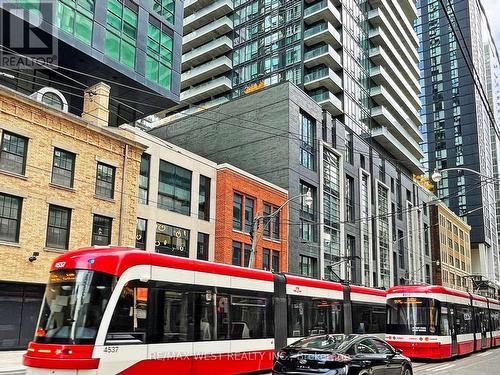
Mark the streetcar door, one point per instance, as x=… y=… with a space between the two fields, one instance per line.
x=453 y=331
x=125 y=344
x=484 y=328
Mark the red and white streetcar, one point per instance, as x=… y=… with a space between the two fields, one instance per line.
x=436 y=322
x=118 y=310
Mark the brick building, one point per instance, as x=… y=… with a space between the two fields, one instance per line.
x=240 y=197
x=65 y=182
x=451 y=248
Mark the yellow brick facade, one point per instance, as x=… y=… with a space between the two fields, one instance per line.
x=46 y=129
x=451 y=246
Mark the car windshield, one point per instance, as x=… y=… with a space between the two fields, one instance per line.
x=327 y=342
x=73 y=306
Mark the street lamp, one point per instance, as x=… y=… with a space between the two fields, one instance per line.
x=437 y=176
x=308 y=201
x=7 y=75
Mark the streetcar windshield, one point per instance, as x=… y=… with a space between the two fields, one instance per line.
x=412 y=316
x=73 y=306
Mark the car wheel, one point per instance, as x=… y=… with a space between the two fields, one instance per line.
x=366 y=371
x=407 y=371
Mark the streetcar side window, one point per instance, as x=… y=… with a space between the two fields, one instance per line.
x=163 y=312
x=175 y=316
x=129 y=322
x=368 y=318
x=495 y=320
x=463 y=319
x=248 y=318
x=313 y=316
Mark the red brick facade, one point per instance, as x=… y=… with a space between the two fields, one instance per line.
x=230 y=181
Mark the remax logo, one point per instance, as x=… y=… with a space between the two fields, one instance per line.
x=60 y=264
x=28 y=34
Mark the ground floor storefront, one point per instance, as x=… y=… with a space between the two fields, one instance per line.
x=19 y=308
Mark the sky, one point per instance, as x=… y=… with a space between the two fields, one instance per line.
x=492 y=8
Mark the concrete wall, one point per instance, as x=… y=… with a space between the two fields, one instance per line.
x=161 y=150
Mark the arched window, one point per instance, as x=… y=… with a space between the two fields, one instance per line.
x=53 y=100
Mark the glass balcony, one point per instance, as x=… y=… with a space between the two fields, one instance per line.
x=323 y=55
x=323 y=77
x=323 y=32
x=324 y=10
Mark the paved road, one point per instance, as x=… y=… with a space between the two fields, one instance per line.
x=487 y=362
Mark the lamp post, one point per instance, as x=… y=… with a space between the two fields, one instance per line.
x=308 y=200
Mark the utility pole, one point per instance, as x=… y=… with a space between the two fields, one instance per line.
x=253 y=236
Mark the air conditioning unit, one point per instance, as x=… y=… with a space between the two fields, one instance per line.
x=52 y=98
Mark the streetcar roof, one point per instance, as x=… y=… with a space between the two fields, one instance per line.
x=116 y=260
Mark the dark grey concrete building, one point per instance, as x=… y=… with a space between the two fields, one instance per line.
x=365 y=205
x=458 y=128
x=134 y=46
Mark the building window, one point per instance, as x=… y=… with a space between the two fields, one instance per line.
x=144 y=179
x=276 y=261
x=105 y=181
x=307 y=214
x=202 y=249
x=10 y=217
x=247 y=253
x=63 y=168
x=174 y=191
x=237 y=211
x=140 y=234
x=307 y=137
x=172 y=240
x=307 y=266
x=121 y=32
x=159 y=55
x=349 y=199
x=401 y=249
x=236 y=253
x=249 y=207
x=58 y=227
x=271 y=227
x=240 y=201
x=349 y=148
x=101 y=230
x=53 y=100
x=165 y=8
x=76 y=18
x=241 y=254
x=13 y=153
x=266 y=259
x=204 y=199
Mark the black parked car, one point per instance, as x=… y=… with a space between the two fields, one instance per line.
x=341 y=355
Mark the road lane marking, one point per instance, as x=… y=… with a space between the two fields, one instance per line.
x=441 y=368
x=484 y=354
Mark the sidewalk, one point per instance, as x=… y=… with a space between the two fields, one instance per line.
x=10 y=362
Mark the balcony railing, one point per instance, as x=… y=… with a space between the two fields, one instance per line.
x=315 y=30
x=316 y=52
x=315 y=7
x=317 y=74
